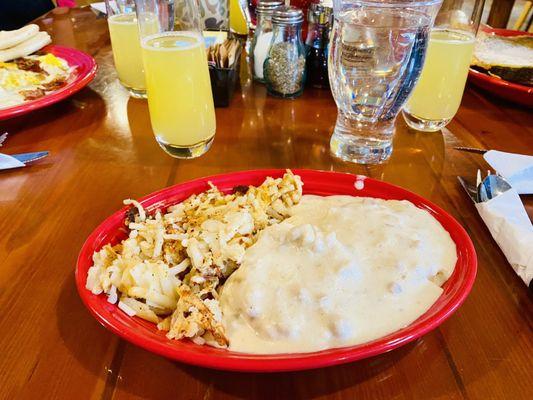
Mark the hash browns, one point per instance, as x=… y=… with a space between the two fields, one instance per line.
x=170 y=268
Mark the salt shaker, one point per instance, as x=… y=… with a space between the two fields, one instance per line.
x=262 y=35
x=320 y=18
x=284 y=68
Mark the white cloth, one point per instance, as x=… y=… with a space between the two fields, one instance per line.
x=509 y=225
x=8 y=162
x=517 y=169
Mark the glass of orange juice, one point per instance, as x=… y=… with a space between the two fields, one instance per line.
x=439 y=90
x=124 y=34
x=177 y=76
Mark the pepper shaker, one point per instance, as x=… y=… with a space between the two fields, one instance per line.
x=284 y=68
x=262 y=35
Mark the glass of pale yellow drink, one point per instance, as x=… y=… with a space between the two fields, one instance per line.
x=439 y=90
x=124 y=34
x=178 y=86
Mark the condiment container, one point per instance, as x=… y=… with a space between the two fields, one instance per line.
x=284 y=68
x=262 y=35
x=223 y=81
x=224 y=65
x=320 y=18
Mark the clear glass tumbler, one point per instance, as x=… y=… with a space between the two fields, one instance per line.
x=377 y=50
x=177 y=76
x=124 y=34
x=438 y=93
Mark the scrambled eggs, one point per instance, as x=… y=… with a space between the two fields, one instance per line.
x=31 y=77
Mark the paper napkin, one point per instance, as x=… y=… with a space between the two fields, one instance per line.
x=517 y=169
x=8 y=162
x=509 y=225
x=100 y=7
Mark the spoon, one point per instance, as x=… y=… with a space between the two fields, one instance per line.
x=492 y=186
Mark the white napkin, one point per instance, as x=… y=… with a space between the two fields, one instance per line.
x=100 y=7
x=517 y=169
x=8 y=162
x=509 y=225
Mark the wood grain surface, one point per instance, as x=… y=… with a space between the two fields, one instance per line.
x=103 y=150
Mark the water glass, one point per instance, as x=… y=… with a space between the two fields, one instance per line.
x=377 y=50
x=438 y=93
x=125 y=43
x=177 y=76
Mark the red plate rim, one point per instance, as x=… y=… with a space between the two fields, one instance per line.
x=487 y=80
x=500 y=82
x=85 y=72
x=145 y=334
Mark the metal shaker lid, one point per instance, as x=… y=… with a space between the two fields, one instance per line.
x=267 y=7
x=288 y=15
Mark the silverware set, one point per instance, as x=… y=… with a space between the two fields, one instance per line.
x=485 y=189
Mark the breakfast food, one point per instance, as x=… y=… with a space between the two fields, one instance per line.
x=267 y=270
x=23 y=76
x=31 y=77
x=10 y=39
x=25 y=48
x=22 y=42
x=341 y=271
x=509 y=58
x=169 y=269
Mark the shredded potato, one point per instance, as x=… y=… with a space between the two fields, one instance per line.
x=168 y=271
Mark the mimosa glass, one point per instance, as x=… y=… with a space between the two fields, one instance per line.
x=125 y=43
x=438 y=93
x=177 y=77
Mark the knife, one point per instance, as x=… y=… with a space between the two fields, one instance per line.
x=470 y=149
x=30 y=157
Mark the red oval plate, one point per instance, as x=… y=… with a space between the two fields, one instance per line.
x=514 y=92
x=84 y=72
x=146 y=335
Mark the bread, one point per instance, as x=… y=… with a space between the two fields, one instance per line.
x=12 y=38
x=23 y=49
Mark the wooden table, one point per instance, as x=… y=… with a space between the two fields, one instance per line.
x=103 y=151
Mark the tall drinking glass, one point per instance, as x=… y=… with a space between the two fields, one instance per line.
x=377 y=50
x=126 y=46
x=438 y=93
x=177 y=76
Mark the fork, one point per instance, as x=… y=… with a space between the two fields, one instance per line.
x=472 y=189
x=3 y=138
x=469 y=187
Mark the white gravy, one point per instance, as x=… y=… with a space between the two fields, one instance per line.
x=340 y=271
